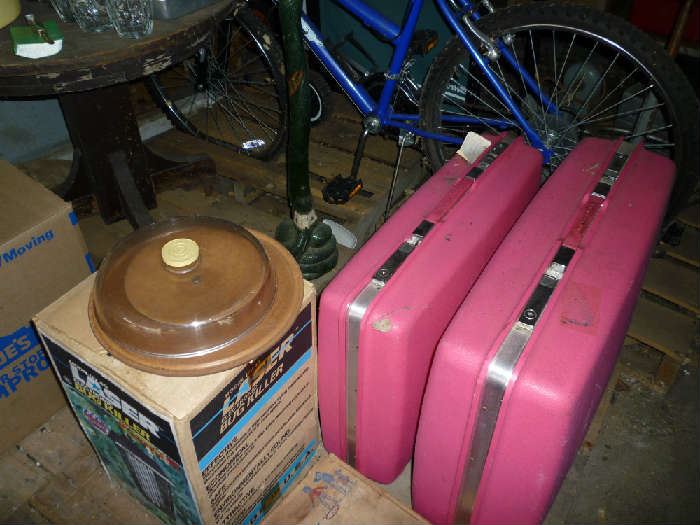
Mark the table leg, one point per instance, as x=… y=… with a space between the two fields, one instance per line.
x=103 y=128
x=101 y=122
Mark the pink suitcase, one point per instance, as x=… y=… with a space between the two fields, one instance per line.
x=383 y=314
x=521 y=368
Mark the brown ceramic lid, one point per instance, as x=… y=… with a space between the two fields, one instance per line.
x=192 y=296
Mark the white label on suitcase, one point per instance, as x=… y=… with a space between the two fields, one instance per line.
x=473 y=146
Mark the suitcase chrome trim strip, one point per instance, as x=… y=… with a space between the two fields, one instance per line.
x=498 y=376
x=500 y=369
x=613 y=170
x=358 y=307
x=356 y=312
x=386 y=271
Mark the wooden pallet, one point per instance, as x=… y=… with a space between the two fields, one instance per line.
x=666 y=316
x=690 y=216
x=331 y=148
x=676 y=283
x=687 y=250
x=606 y=400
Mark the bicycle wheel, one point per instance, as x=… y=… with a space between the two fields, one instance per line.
x=605 y=77
x=233 y=91
x=320 y=101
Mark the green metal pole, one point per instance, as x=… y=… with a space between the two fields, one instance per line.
x=310 y=241
x=298 y=102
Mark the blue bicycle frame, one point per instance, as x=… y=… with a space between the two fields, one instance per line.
x=400 y=38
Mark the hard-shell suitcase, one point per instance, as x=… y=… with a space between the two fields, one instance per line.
x=383 y=314
x=521 y=368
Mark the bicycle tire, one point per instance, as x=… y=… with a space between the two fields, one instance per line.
x=320 y=95
x=240 y=102
x=679 y=105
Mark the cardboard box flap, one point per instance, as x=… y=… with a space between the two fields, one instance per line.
x=25 y=202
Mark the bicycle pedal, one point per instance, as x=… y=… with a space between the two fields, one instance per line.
x=423 y=42
x=341 y=189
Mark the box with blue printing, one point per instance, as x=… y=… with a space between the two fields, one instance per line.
x=221 y=448
x=42 y=256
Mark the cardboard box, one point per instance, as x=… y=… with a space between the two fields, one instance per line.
x=220 y=448
x=42 y=255
x=333 y=492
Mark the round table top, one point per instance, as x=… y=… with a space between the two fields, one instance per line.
x=95 y=60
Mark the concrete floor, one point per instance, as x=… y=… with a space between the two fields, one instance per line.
x=644 y=466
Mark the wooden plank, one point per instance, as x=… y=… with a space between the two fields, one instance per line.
x=25 y=514
x=344 y=109
x=674 y=282
x=338 y=131
x=343 y=135
x=271 y=176
x=370 y=221
x=664 y=329
x=688 y=250
x=91 y=500
x=598 y=419
x=690 y=216
x=327 y=161
x=58 y=443
x=223 y=207
x=331 y=150
x=667 y=372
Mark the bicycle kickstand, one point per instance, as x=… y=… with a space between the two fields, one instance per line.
x=341 y=189
x=405 y=139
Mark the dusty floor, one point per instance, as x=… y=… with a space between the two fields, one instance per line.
x=644 y=466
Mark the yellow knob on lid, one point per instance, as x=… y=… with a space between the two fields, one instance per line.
x=179 y=253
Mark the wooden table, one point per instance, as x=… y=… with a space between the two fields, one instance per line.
x=89 y=77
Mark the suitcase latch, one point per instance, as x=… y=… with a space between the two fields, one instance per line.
x=613 y=170
x=396 y=259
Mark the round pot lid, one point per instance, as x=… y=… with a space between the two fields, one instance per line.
x=194 y=295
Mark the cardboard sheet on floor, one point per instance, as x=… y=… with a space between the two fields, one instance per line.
x=333 y=492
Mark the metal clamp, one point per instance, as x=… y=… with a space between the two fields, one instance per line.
x=613 y=170
x=492 y=51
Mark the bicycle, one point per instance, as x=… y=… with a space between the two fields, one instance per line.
x=554 y=73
